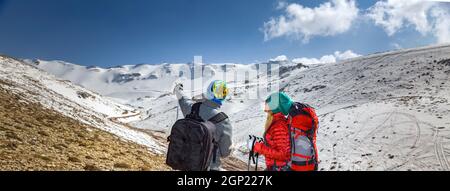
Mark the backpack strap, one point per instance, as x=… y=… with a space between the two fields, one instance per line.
x=215 y=120
x=195 y=112
x=218 y=118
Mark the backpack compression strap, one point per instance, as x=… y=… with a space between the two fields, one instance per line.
x=195 y=114
x=218 y=118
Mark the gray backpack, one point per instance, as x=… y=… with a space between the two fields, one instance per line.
x=192 y=142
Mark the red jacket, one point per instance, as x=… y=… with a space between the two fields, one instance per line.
x=277 y=145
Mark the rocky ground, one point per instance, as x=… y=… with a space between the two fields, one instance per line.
x=35 y=138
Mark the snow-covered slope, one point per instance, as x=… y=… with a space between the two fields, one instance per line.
x=381 y=112
x=385 y=111
x=145 y=87
x=133 y=83
x=38 y=86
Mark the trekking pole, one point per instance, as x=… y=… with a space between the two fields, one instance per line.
x=249 y=158
x=256 y=164
x=257 y=154
x=177 y=113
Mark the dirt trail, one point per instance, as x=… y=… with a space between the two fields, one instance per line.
x=35 y=138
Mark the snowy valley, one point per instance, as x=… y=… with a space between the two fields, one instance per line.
x=386 y=111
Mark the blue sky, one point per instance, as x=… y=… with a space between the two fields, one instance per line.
x=116 y=32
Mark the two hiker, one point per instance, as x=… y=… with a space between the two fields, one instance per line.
x=198 y=141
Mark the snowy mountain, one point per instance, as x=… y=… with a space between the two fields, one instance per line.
x=384 y=111
x=37 y=86
x=379 y=112
x=140 y=85
x=129 y=81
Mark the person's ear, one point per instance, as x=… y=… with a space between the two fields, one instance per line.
x=267 y=108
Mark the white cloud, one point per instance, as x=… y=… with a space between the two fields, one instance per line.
x=328 y=19
x=393 y=15
x=396 y=46
x=337 y=56
x=442 y=25
x=427 y=17
x=280 y=58
x=281 y=5
x=345 y=55
x=309 y=61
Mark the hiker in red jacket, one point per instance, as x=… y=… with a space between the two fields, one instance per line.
x=276 y=148
x=290 y=136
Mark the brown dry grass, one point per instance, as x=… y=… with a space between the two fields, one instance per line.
x=35 y=138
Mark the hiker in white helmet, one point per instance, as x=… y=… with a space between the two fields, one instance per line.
x=214 y=97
